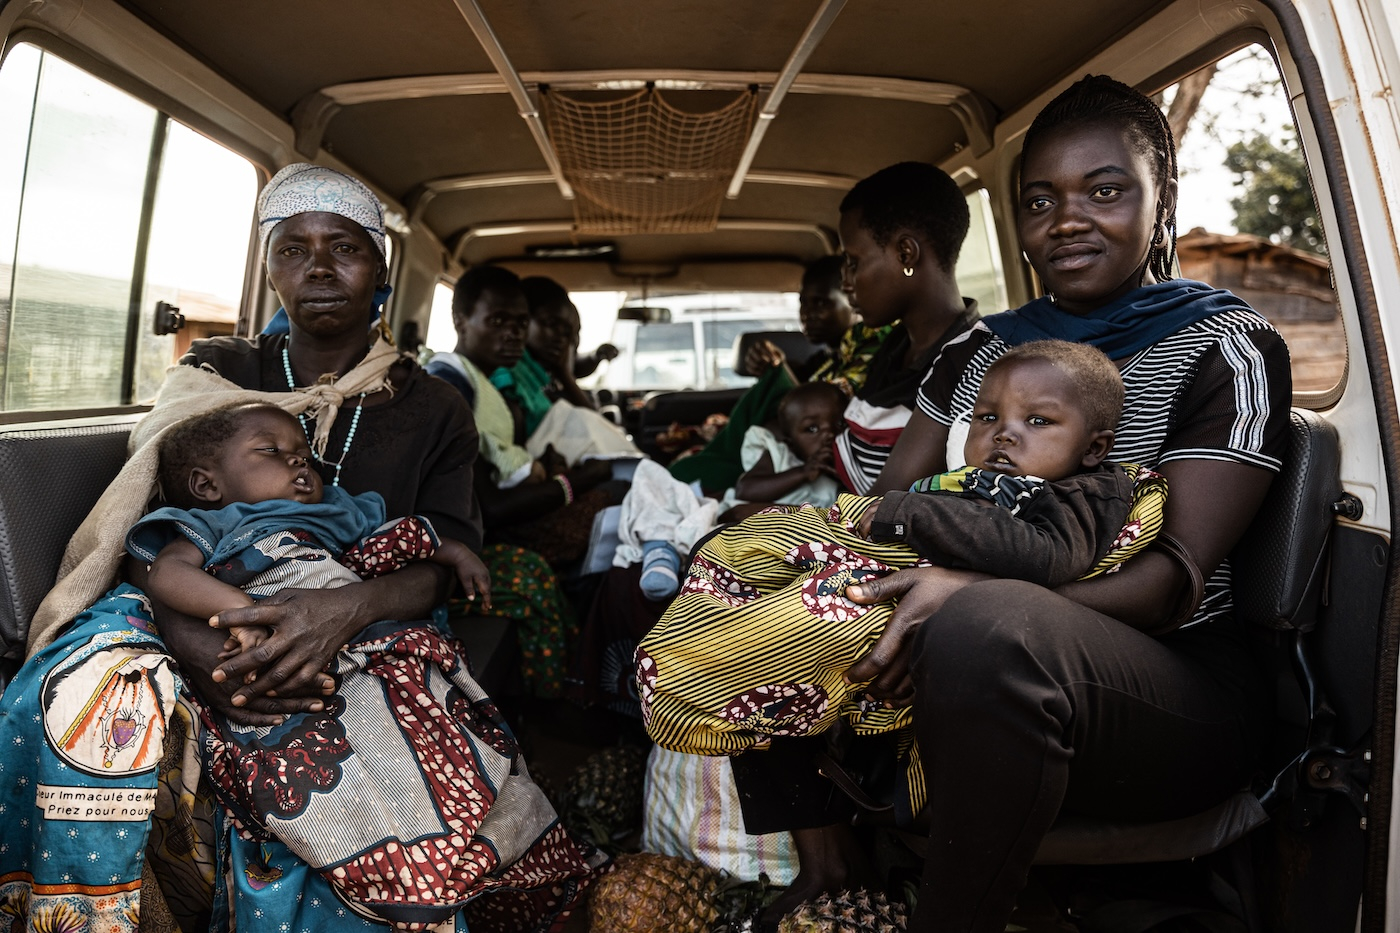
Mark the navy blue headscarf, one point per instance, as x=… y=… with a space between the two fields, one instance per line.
x=1121 y=328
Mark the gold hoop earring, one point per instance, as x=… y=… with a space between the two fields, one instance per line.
x=908 y=270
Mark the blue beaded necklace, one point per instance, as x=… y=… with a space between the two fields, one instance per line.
x=354 y=421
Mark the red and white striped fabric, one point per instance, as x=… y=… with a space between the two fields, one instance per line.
x=865 y=445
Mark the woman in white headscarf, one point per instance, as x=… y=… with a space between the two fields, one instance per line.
x=109 y=715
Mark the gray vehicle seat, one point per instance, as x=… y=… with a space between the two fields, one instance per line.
x=688 y=406
x=1279 y=568
x=52 y=477
x=794 y=344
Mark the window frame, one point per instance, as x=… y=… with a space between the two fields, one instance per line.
x=255 y=292
x=1319 y=183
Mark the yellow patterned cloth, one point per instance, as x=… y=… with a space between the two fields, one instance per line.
x=758 y=641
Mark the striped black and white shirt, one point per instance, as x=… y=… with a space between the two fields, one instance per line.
x=1218 y=389
x=877 y=415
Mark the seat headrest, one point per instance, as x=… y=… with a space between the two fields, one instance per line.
x=1280 y=562
x=794 y=344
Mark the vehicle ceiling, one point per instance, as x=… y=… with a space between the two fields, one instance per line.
x=467 y=166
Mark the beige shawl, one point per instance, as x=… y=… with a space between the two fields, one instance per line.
x=94 y=555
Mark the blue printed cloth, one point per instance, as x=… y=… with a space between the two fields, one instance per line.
x=338 y=521
x=101 y=743
x=83 y=726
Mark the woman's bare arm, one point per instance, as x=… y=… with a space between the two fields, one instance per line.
x=500 y=507
x=1210 y=503
x=195 y=647
x=763 y=484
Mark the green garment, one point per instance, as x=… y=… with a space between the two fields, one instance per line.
x=525 y=384
x=717 y=467
x=494 y=422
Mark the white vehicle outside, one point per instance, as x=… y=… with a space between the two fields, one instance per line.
x=694 y=345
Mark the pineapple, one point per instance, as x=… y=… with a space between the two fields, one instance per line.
x=649 y=893
x=847 y=912
x=603 y=798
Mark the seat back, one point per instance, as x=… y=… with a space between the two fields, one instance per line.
x=52 y=477
x=1280 y=563
x=794 y=344
x=686 y=407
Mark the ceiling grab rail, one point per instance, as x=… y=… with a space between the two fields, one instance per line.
x=816 y=31
x=524 y=102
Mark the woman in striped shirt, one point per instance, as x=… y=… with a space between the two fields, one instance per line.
x=1101 y=697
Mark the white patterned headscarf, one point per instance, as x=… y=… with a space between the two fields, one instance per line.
x=301 y=188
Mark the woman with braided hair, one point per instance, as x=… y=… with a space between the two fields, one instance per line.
x=1100 y=697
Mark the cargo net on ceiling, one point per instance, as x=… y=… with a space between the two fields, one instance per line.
x=639 y=165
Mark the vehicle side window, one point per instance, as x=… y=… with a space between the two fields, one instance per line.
x=107 y=207
x=1246 y=218
x=442 y=333
x=979 y=269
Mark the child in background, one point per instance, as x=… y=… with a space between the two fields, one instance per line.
x=790 y=467
x=795 y=465
x=758 y=641
x=249 y=518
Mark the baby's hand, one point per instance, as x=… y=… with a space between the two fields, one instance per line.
x=866 y=520
x=820 y=465
x=244 y=638
x=471 y=571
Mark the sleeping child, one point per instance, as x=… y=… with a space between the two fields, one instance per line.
x=250 y=517
x=757 y=641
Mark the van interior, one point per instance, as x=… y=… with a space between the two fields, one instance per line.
x=646 y=154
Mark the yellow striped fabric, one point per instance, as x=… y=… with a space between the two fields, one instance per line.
x=757 y=641
x=1144 y=519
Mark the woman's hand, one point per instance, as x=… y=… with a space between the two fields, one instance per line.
x=867 y=520
x=196 y=646
x=921 y=591
x=553 y=462
x=590 y=473
x=308 y=628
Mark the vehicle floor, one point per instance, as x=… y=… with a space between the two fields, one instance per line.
x=558 y=737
